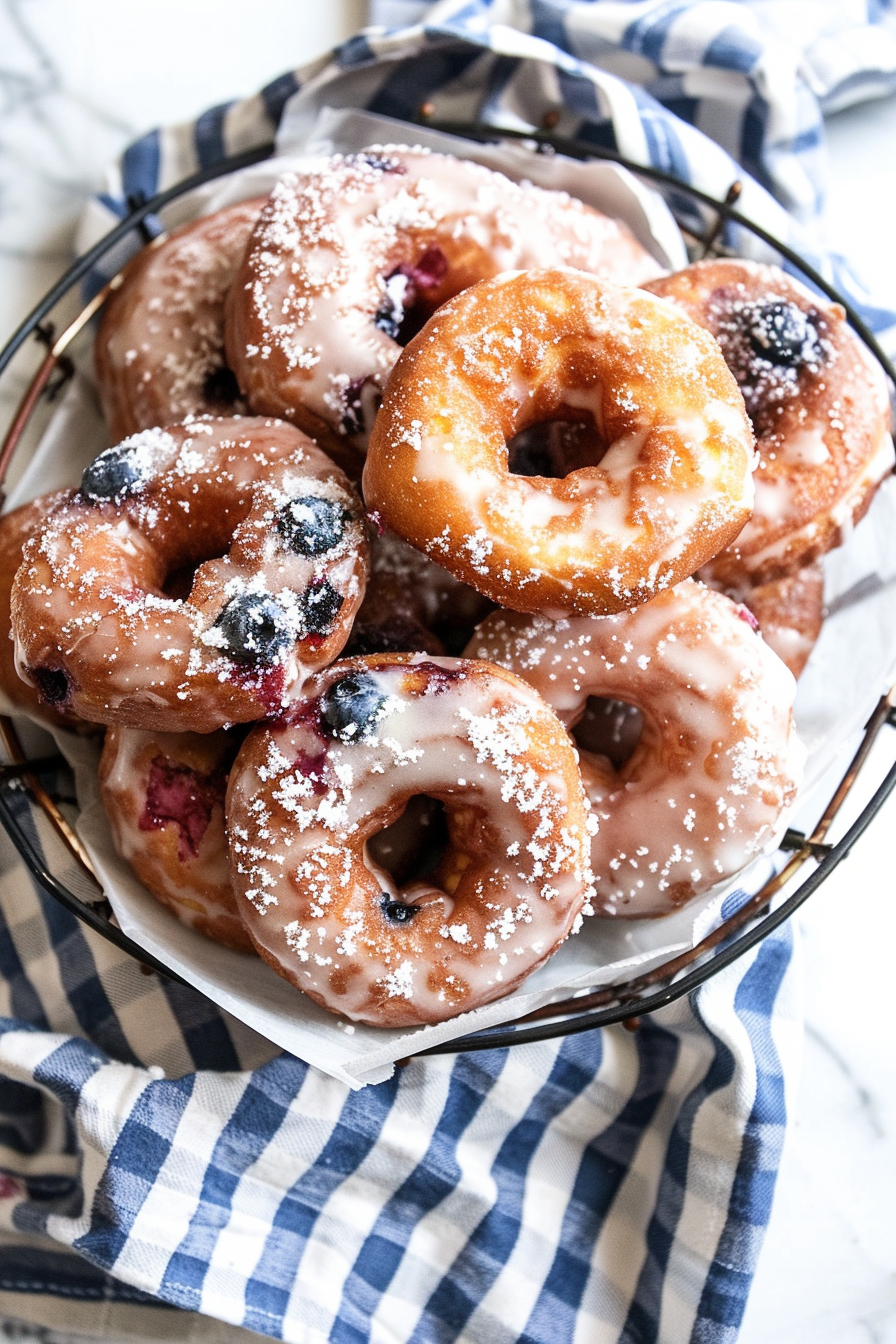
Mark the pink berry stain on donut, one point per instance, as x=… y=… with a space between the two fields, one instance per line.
x=818 y=403
x=717 y=761
x=376 y=737
x=195 y=579
x=164 y=797
x=349 y=260
x=159 y=351
x=668 y=482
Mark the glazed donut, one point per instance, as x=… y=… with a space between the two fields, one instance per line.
x=348 y=261
x=159 y=350
x=197 y=576
x=818 y=403
x=15 y=529
x=164 y=796
x=789 y=612
x=670 y=477
x=413 y=605
x=717 y=761
x=308 y=793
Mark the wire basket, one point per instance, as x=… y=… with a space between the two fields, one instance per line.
x=37 y=798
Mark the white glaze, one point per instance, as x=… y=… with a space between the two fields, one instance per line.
x=300 y=321
x=301 y=806
x=717 y=761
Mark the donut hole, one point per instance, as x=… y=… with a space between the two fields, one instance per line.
x=220 y=389
x=554 y=447
x=412 y=847
x=610 y=728
x=178 y=583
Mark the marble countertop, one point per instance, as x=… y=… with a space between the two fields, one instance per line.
x=77 y=82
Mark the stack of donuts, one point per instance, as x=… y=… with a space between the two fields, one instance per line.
x=384 y=595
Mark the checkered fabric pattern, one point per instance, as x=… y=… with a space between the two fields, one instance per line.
x=611 y=1187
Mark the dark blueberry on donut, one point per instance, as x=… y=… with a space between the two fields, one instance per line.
x=378 y=162
x=54 y=685
x=351 y=706
x=255 y=627
x=361 y=401
x=781 y=333
x=320 y=606
x=312 y=526
x=403 y=310
x=113 y=474
x=396 y=911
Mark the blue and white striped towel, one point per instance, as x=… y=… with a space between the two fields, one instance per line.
x=609 y=1187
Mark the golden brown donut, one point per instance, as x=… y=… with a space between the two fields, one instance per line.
x=194 y=580
x=670 y=477
x=348 y=260
x=164 y=796
x=790 y=613
x=818 y=403
x=159 y=350
x=308 y=793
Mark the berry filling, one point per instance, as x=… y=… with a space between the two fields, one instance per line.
x=177 y=795
x=54 y=685
x=407 y=305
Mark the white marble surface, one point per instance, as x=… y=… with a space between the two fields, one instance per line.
x=77 y=82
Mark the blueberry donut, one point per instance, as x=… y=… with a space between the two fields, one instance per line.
x=818 y=403
x=164 y=797
x=311 y=794
x=195 y=579
x=717 y=762
x=347 y=262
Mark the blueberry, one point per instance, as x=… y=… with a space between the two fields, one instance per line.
x=360 y=403
x=255 y=627
x=378 y=162
x=781 y=333
x=312 y=526
x=396 y=911
x=320 y=606
x=112 y=475
x=54 y=685
x=351 y=706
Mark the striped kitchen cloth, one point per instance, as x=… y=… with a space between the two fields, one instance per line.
x=609 y=1187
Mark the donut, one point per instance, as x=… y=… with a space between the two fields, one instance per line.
x=348 y=260
x=164 y=796
x=669 y=479
x=717 y=760
x=818 y=403
x=413 y=605
x=16 y=527
x=789 y=612
x=310 y=792
x=159 y=351
x=196 y=577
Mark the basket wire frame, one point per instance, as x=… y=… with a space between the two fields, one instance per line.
x=625 y=1002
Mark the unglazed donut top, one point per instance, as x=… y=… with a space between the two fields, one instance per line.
x=160 y=347
x=164 y=796
x=672 y=487
x=99 y=626
x=306 y=795
x=343 y=254
x=818 y=403
x=717 y=760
